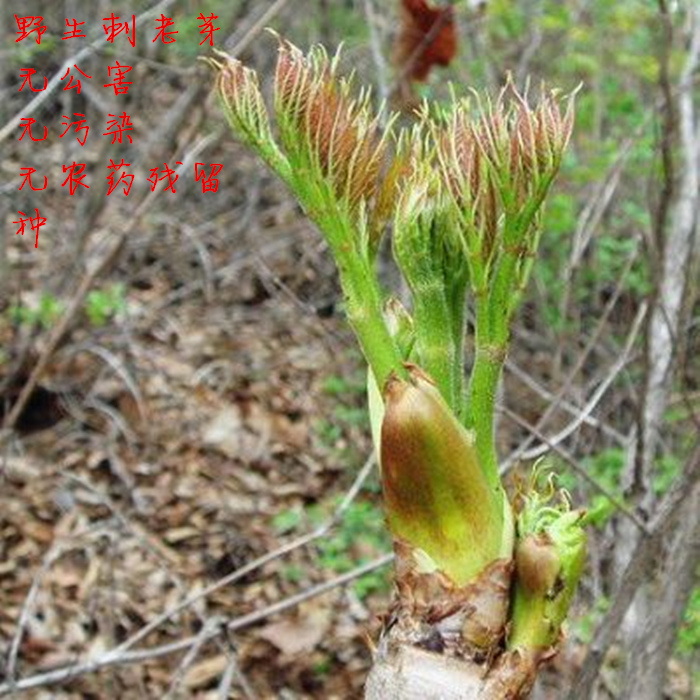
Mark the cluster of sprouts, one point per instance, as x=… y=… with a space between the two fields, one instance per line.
x=462 y=192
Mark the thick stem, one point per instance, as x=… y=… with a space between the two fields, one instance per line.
x=483 y=385
x=481 y=395
x=364 y=310
x=530 y=626
x=433 y=334
x=456 y=300
x=410 y=673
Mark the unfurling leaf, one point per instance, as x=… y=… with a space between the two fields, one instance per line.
x=239 y=92
x=325 y=130
x=436 y=496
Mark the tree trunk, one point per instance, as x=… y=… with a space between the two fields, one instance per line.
x=663 y=340
x=648 y=662
x=685 y=490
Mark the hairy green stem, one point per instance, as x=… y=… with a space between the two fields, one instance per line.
x=433 y=338
x=363 y=305
x=481 y=395
x=457 y=305
x=483 y=385
x=530 y=626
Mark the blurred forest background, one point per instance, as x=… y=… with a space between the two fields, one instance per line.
x=188 y=503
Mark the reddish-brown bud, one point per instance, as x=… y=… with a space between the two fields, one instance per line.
x=537 y=563
x=237 y=87
x=322 y=123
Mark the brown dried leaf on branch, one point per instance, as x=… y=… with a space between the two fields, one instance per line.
x=427 y=37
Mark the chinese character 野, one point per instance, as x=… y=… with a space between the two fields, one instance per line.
x=80 y=125
x=207 y=28
x=73 y=28
x=27 y=74
x=27 y=25
x=123 y=177
x=28 y=128
x=70 y=85
x=75 y=176
x=115 y=129
x=28 y=179
x=35 y=222
x=165 y=36
x=119 y=84
x=166 y=172
x=209 y=184
x=113 y=28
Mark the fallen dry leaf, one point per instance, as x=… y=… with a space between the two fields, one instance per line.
x=297 y=636
x=206 y=671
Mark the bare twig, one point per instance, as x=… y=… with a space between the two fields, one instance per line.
x=591 y=404
x=60 y=329
x=570 y=408
x=154 y=547
x=27 y=608
x=578 y=468
x=257 y=26
x=209 y=630
x=520 y=451
x=312 y=592
x=377 y=53
x=636 y=573
x=122 y=658
x=256 y=564
x=231 y=673
x=664 y=344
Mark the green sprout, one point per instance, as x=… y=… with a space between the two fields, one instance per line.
x=463 y=192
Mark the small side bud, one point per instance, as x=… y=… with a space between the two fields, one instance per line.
x=537 y=564
x=401 y=326
x=550 y=555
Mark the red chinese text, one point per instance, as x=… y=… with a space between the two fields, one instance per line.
x=207 y=28
x=35 y=222
x=70 y=85
x=73 y=29
x=75 y=176
x=27 y=25
x=123 y=177
x=79 y=125
x=120 y=85
x=27 y=74
x=28 y=128
x=117 y=125
x=28 y=179
x=166 y=172
x=165 y=36
x=114 y=28
x=209 y=184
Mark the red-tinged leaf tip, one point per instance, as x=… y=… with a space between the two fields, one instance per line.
x=320 y=119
